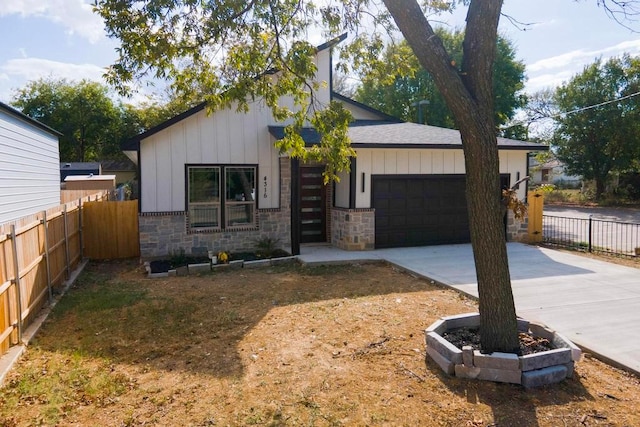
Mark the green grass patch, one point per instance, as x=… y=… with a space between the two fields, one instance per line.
x=99 y=297
x=54 y=381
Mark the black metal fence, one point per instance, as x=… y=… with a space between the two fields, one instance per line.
x=592 y=235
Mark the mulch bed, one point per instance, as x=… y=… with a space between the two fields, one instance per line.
x=164 y=265
x=529 y=343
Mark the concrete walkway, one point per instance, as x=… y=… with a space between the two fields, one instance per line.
x=594 y=303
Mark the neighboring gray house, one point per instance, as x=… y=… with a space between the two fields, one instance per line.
x=216 y=182
x=79 y=169
x=29 y=165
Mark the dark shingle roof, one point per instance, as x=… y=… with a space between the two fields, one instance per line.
x=80 y=166
x=118 y=165
x=382 y=134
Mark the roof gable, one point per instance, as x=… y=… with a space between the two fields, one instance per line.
x=134 y=143
x=380 y=114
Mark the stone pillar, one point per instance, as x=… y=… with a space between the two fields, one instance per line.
x=353 y=229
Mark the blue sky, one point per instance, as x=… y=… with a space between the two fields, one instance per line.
x=64 y=38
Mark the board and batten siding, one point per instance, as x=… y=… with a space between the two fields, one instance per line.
x=29 y=168
x=225 y=137
x=416 y=162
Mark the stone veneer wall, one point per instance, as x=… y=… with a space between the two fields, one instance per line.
x=353 y=229
x=165 y=233
x=517 y=230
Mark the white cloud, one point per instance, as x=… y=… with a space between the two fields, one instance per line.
x=75 y=15
x=553 y=71
x=35 y=68
x=550 y=80
x=584 y=57
x=15 y=73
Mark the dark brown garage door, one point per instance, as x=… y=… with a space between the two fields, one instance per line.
x=420 y=210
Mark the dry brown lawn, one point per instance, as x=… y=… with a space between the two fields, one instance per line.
x=279 y=346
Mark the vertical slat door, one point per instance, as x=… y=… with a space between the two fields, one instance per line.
x=312 y=205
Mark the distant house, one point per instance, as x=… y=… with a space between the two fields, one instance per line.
x=29 y=165
x=79 y=168
x=216 y=182
x=90 y=182
x=124 y=170
x=552 y=172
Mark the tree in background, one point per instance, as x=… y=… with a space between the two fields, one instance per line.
x=595 y=138
x=537 y=123
x=398 y=85
x=83 y=112
x=92 y=123
x=234 y=48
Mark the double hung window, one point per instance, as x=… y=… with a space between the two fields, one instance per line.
x=221 y=197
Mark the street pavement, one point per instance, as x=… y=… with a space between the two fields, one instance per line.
x=596 y=212
x=595 y=304
x=614 y=230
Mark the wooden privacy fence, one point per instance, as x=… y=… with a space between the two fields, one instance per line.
x=67 y=196
x=111 y=230
x=37 y=253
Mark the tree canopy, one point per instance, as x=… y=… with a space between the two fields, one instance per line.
x=599 y=131
x=89 y=120
x=399 y=86
x=231 y=48
x=92 y=123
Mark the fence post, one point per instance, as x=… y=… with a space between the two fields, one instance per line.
x=16 y=281
x=80 y=228
x=66 y=241
x=46 y=253
x=535 y=211
x=590 y=232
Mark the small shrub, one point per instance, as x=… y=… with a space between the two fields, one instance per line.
x=545 y=188
x=266 y=246
x=178 y=258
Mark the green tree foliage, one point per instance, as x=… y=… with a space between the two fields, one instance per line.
x=398 y=83
x=595 y=138
x=93 y=124
x=231 y=49
x=83 y=112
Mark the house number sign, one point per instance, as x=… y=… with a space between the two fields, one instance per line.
x=265 y=187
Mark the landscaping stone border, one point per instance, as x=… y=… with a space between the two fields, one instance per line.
x=532 y=370
x=207 y=267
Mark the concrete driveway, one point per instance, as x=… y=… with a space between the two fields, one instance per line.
x=596 y=304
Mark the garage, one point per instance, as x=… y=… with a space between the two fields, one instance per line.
x=417 y=210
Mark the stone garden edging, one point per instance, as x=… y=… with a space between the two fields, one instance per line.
x=533 y=370
x=207 y=267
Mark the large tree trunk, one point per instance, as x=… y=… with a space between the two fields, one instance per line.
x=601 y=185
x=468 y=93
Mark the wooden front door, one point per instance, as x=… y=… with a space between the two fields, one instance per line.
x=312 y=204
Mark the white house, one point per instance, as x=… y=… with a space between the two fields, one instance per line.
x=29 y=165
x=216 y=182
x=554 y=172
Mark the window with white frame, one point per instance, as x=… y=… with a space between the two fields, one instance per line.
x=221 y=197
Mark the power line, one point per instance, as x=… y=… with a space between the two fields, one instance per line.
x=577 y=110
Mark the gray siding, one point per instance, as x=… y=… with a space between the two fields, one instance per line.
x=29 y=169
